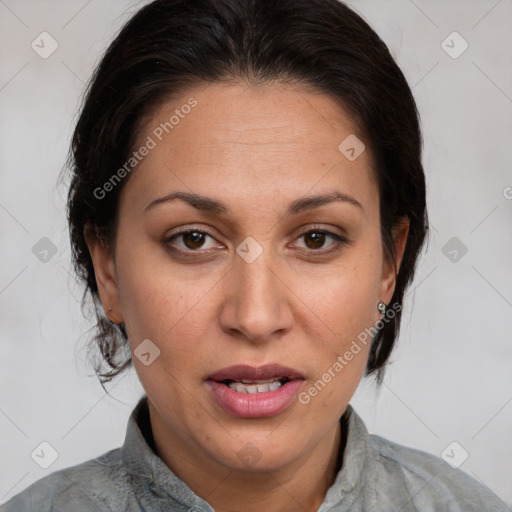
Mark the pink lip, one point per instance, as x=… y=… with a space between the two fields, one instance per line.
x=257 y=405
x=251 y=373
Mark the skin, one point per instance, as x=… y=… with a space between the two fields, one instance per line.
x=301 y=303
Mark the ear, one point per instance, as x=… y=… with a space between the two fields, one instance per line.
x=105 y=273
x=388 y=279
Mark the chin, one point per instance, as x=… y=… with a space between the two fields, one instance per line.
x=256 y=455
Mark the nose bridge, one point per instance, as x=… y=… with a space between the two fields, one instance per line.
x=257 y=305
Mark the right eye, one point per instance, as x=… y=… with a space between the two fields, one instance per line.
x=192 y=240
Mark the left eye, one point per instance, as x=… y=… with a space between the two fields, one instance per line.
x=317 y=238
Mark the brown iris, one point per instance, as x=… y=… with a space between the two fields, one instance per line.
x=193 y=239
x=317 y=237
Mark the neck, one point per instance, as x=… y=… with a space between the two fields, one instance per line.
x=302 y=485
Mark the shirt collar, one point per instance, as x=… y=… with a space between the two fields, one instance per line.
x=140 y=460
x=357 y=471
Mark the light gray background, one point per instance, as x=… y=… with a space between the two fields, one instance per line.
x=450 y=377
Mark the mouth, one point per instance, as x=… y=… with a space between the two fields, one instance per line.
x=246 y=372
x=255 y=392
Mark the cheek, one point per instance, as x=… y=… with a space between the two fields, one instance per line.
x=157 y=308
x=342 y=309
x=345 y=300
x=156 y=301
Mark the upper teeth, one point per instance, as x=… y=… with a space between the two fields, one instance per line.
x=268 y=381
x=256 y=386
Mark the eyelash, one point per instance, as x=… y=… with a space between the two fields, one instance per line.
x=340 y=240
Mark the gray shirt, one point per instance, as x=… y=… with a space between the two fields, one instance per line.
x=377 y=475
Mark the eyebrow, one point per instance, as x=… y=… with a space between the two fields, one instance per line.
x=211 y=205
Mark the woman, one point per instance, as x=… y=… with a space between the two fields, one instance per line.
x=246 y=210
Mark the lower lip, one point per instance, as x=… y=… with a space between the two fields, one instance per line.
x=255 y=405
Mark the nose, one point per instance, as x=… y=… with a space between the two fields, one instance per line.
x=258 y=301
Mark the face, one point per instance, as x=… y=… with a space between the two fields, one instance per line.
x=245 y=269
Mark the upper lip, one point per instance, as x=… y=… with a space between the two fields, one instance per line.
x=250 y=373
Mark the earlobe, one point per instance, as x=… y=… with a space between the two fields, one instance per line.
x=388 y=280
x=105 y=274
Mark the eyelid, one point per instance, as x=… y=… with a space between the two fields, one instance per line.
x=190 y=229
x=341 y=240
x=318 y=227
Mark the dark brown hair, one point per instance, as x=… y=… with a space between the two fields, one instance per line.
x=169 y=44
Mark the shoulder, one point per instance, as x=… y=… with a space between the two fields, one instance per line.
x=427 y=482
x=97 y=484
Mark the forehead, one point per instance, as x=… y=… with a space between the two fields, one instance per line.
x=245 y=141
